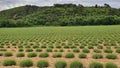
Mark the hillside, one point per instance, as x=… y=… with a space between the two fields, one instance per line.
x=18 y=12
x=60 y=15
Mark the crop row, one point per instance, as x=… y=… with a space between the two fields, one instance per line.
x=61 y=46
x=75 y=50
x=57 y=64
x=58 y=55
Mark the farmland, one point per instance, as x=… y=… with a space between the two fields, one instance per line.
x=86 y=44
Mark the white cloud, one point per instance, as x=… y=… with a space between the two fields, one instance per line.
x=6 y=4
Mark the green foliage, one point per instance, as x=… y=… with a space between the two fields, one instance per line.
x=100 y=47
x=111 y=56
x=60 y=64
x=8 y=54
x=82 y=55
x=28 y=46
x=29 y=50
x=97 y=51
x=20 y=54
x=50 y=46
x=86 y=50
x=26 y=63
x=38 y=50
x=82 y=46
x=76 y=64
x=44 y=54
x=32 y=54
x=118 y=50
x=58 y=46
x=2 y=49
x=64 y=15
x=19 y=12
x=108 y=51
x=55 y=50
x=90 y=47
x=49 y=49
x=20 y=50
x=43 y=46
x=110 y=65
x=97 y=56
x=1 y=54
x=66 y=46
x=69 y=55
x=57 y=55
x=76 y=50
x=61 y=50
x=9 y=62
x=42 y=64
x=96 y=65
x=35 y=46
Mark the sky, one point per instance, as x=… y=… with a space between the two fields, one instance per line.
x=7 y=4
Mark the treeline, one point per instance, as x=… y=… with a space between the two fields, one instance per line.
x=60 y=15
x=76 y=21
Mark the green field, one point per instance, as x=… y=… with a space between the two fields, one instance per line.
x=87 y=40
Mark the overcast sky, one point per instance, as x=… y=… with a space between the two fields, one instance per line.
x=6 y=4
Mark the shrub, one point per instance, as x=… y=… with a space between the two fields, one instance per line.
x=96 y=65
x=82 y=55
x=20 y=54
x=61 y=50
x=110 y=65
x=73 y=46
x=82 y=46
x=97 y=51
x=29 y=50
x=117 y=47
x=26 y=63
x=97 y=56
x=2 y=49
x=35 y=46
x=20 y=46
x=108 y=47
x=118 y=50
x=66 y=46
x=76 y=64
x=20 y=50
x=38 y=50
x=49 y=49
x=69 y=55
x=1 y=54
x=108 y=51
x=55 y=50
x=50 y=46
x=58 y=46
x=9 y=62
x=27 y=46
x=44 y=54
x=111 y=56
x=7 y=54
x=1 y=46
x=90 y=47
x=68 y=50
x=76 y=50
x=55 y=55
x=42 y=64
x=100 y=47
x=32 y=54
x=86 y=50
x=7 y=46
x=60 y=64
x=43 y=46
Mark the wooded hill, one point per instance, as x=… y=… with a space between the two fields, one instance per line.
x=60 y=15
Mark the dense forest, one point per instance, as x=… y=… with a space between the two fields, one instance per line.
x=60 y=15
